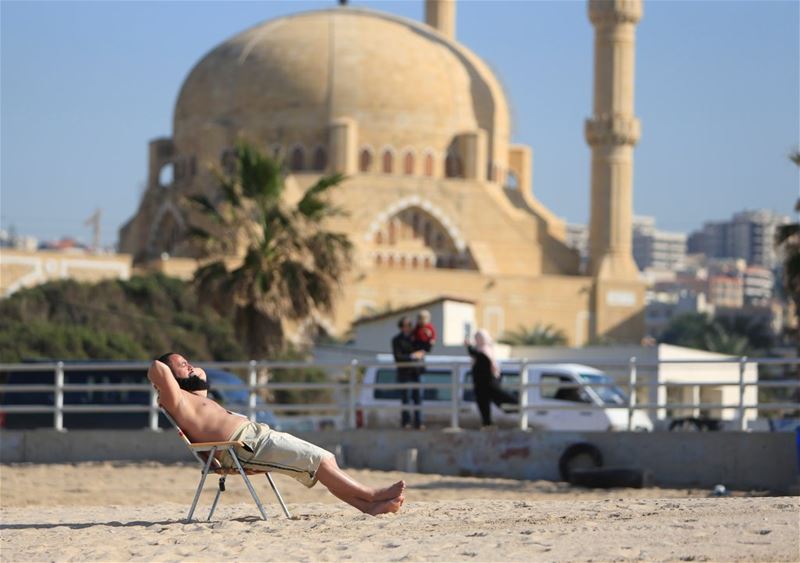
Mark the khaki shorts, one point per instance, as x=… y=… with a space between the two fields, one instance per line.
x=269 y=450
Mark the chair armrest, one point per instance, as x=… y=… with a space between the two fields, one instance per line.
x=201 y=446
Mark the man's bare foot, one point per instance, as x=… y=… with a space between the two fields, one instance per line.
x=390 y=492
x=386 y=506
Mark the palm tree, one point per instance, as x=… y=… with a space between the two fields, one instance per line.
x=737 y=335
x=538 y=335
x=288 y=267
x=688 y=329
x=723 y=341
x=787 y=238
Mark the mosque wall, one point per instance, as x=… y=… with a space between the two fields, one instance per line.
x=424 y=139
x=501 y=303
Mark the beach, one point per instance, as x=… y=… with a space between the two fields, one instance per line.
x=136 y=511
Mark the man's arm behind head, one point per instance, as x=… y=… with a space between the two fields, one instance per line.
x=169 y=393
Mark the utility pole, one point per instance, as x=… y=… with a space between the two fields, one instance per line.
x=94 y=222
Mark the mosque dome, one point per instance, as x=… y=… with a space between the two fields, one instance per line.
x=282 y=83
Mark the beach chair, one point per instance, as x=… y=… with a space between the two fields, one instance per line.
x=204 y=452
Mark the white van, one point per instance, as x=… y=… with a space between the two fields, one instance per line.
x=380 y=408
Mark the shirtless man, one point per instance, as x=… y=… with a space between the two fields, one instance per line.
x=183 y=392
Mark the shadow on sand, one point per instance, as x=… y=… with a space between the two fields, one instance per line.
x=118 y=524
x=489 y=486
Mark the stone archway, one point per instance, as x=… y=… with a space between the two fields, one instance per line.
x=413 y=234
x=167 y=231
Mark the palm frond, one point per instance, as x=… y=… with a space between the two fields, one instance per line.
x=210 y=281
x=260 y=176
x=207 y=208
x=312 y=205
x=199 y=234
x=538 y=335
x=785 y=232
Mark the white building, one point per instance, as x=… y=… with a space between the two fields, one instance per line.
x=20 y=269
x=758 y=285
x=749 y=235
x=454 y=319
x=655 y=373
x=656 y=249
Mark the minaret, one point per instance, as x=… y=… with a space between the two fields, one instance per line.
x=441 y=15
x=611 y=132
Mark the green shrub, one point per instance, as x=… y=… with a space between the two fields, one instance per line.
x=134 y=319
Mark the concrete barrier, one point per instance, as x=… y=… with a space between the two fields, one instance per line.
x=739 y=460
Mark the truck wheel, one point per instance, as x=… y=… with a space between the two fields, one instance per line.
x=580 y=455
x=686 y=425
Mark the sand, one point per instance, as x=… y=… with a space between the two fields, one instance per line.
x=136 y=511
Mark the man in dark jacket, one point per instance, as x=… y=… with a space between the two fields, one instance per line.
x=403 y=350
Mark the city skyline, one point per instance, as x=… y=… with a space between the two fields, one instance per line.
x=731 y=127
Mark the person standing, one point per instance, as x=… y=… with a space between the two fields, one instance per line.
x=486 y=376
x=404 y=352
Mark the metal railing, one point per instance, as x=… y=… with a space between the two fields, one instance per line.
x=346 y=389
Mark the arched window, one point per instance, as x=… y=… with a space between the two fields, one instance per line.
x=379 y=260
x=388 y=161
x=166 y=176
x=379 y=237
x=452 y=166
x=408 y=163
x=365 y=160
x=320 y=159
x=298 y=159
x=429 y=165
x=512 y=181
x=414 y=262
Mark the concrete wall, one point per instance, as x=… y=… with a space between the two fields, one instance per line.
x=20 y=268
x=736 y=459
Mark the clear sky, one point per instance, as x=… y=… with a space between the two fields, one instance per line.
x=85 y=85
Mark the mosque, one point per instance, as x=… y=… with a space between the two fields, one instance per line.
x=438 y=200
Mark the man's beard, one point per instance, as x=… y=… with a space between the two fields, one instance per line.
x=192 y=383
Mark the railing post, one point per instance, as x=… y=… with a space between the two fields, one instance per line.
x=252 y=381
x=742 y=366
x=351 y=395
x=454 y=392
x=696 y=401
x=523 y=395
x=58 y=415
x=631 y=390
x=153 y=409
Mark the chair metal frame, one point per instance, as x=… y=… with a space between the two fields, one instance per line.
x=210 y=449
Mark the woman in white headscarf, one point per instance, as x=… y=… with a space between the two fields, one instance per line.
x=486 y=376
